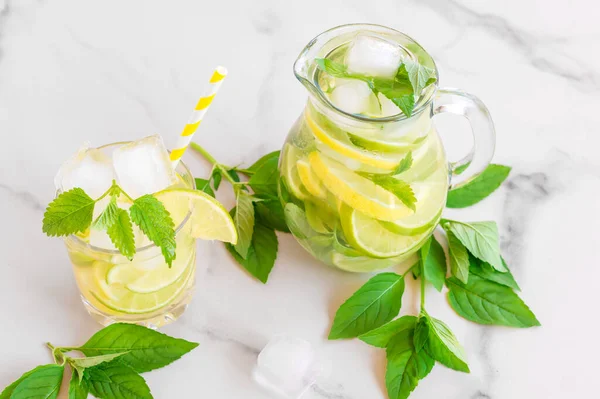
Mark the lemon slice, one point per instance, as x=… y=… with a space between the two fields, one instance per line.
x=310 y=180
x=358 y=192
x=342 y=144
x=134 y=303
x=370 y=237
x=289 y=169
x=209 y=220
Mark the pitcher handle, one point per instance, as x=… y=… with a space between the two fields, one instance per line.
x=458 y=102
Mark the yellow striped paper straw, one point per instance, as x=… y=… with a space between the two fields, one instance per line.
x=190 y=128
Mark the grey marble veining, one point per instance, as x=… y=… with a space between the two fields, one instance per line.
x=73 y=71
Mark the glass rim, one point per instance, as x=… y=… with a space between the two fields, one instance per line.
x=428 y=98
x=145 y=247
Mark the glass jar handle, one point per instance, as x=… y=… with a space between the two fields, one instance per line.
x=458 y=102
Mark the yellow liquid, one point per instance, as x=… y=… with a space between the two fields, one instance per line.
x=342 y=217
x=145 y=290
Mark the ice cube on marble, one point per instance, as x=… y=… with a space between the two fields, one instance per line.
x=143 y=167
x=288 y=366
x=373 y=55
x=352 y=96
x=89 y=169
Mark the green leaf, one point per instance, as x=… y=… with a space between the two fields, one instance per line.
x=435 y=265
x=261 y=253
x=421 y=333
x=399 y=92
x=121 y=234
x=297 y=222
x=332 y=68
x=108 y=217
x=482 y=186
x=70 y=213
x=146 y=349
x=405 y=366
x=40 y=376
x=380 y=337
x=374 y=304
x=480 y=238
x=234 y=175
x=265 y=178
x=270 y=214
x=459 y=258
x=420 y=76
x=204 y=186
x=399 y=188
x=487 y=272
x=41 y=382
x=87 y=362
x=404 y=165
x=486 y=302
x=78 y=389
x=151 y=216
x=216 y=177
x=116 y=381
x=460 y=169
x=443 y=346
x=264 y=159
x=244 y=221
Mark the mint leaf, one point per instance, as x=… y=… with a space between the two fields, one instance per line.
x=482 y=186
x=116 y=381
x=399 y=188
x=486 y=302
x=380 y=337
x=108 y=217
x=44 y=374
x=374 y=304
x=41 y=382
x=69 y=213
x=435 y=267
x=265 y=158
x=216 y=177
x=399 y=92
x=81 y=363
x=151 y=216
x=420 y=76
x=480 y=238
x=460 y=169
x=421 y=334
x=404 y=165
x=297 y=222
x=146 y=349
x=265 y=178
x=405 y=366
x=121 y=234
x=443 y=346
x=332 y=68
x=487 y=272
x=244 y=221
x=77 y=389
x=459 y=258
x=204 y=186
x=270 y=214
x=261 y=253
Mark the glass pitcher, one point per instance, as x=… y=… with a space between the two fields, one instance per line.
x=341 y=172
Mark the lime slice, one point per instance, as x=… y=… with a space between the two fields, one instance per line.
x=134 y=303
x=310 y=180
x=340 y=143
x=370 y=237
x=209 y=220
x=153 y=274
x=114 y=293
x=363 y=264
x=358 y=192
x=319 y=217
x=289 y=169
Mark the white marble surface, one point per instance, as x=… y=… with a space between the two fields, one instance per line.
x=103 y=71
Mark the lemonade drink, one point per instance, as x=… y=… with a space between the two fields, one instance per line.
x=341 y=164
x=144 y=289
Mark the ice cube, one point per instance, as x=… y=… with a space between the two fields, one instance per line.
x=89 y=169
x=374 y=56
x=143 y=167
x=352 y=96
x=287 y=366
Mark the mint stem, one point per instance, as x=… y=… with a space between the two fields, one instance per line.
x=422 y=292
x=57 y=354
x=199 y=149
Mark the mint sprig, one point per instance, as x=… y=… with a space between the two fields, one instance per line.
x=115 y=357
